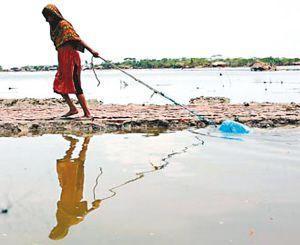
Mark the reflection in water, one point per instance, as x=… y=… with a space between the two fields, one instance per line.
x=71 y=210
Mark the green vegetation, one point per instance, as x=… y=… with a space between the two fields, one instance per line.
x=197 y=62
x=181 y=63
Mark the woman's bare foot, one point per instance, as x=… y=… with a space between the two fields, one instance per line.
x=70 y=113
x=88 y=116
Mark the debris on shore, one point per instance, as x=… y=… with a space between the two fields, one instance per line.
x=209 y=100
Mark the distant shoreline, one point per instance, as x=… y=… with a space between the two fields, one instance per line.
x=242 y=68
x=257 y=64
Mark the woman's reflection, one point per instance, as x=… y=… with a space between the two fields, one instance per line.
x=71 y=210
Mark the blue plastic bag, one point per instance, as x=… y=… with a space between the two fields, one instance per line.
x=233 y=127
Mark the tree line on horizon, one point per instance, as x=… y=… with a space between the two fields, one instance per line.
x=197 y=62
x=133 y=63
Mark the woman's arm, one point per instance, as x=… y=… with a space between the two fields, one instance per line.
x=93 y=52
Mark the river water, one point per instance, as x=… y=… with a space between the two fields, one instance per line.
x=168 y=188
x=240 y=85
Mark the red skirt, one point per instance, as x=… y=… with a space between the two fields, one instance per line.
x=67 y=78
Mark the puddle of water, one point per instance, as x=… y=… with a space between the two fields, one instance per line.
x=165 y=189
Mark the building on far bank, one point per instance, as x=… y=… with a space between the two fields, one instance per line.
x=261 y=66
x=15 y=69
x=219 y=64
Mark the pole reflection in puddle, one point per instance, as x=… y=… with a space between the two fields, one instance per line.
x=71 y=209
x=154 y=168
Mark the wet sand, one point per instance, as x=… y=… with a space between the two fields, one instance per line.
x=19 y=117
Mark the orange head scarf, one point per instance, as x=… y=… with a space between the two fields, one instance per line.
x=64 y=31
x=53 y=10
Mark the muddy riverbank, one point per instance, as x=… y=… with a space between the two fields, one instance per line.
x=20 y=117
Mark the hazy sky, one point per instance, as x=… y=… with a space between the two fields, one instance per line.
x=154 y=28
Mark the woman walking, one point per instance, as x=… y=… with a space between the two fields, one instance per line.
x=67 y=43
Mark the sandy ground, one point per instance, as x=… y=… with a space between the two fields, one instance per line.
x=19 y=117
